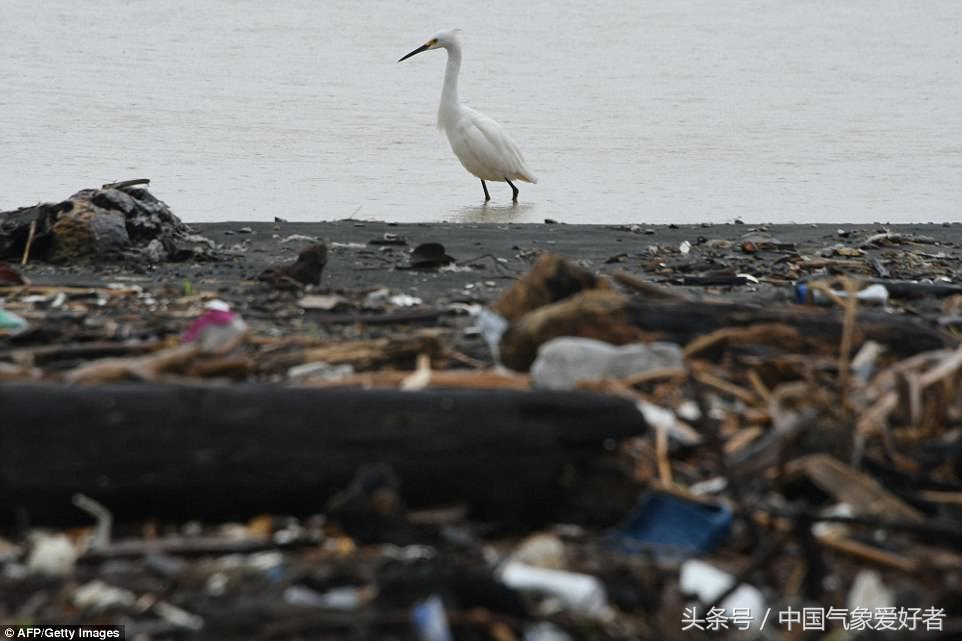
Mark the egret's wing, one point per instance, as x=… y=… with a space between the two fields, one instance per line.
x=490 y=147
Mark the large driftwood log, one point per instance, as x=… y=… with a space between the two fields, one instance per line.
x=176 y=452
x=617 y=318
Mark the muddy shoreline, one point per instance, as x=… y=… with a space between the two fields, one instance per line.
x=372 y=291
x=355 y=263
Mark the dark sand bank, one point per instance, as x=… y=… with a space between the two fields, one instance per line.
x=355 y=263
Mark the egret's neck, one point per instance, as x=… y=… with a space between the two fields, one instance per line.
x=450 y=105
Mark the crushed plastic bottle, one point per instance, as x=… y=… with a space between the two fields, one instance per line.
x=875 y=294
x=217 y=330
x=578 y=593
x=563 y=362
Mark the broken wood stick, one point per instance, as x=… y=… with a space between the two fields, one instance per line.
x=26 y=248
x=127 y=183
x=364 y=354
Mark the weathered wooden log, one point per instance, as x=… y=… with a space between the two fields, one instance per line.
x=179 y=452
x=617 y=318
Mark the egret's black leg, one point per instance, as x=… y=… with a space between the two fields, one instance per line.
x=514 y=190
x=487 y=196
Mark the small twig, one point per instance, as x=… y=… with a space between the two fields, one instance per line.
x=416 y=316
x=193 y=547
x=945 y=368
x=721 y=385
x=649 y=289
x=741 y=439
x=847 y=546
x=868 y=553
x=848 y=336
x=935 y=496
x=661 y=453
x=105 y=520
x=50 y=353
x=464 y=359
x=49 y=289
x=26 y=247
x=440 y=379
x=949 y=530
x=655 y=375
x=126 y=183
x=421 y=377
x=879 y=268
x=497 y=264
x=759 y=385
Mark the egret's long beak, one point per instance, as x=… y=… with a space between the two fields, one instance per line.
x=418 y=50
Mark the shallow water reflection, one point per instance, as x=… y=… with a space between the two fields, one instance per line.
x=495 y=213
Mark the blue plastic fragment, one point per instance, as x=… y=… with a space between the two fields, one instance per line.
x=801 y=294
x=11 y=323
x=672 y=525
x=431 y=621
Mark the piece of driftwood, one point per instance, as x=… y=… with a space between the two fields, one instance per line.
x=617 y=318
x=552 y=278
x=863 y=493
x=46 y=354
x=443 y=379
x=369 y=354
x=183 y=452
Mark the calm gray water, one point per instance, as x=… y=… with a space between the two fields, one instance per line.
x=652 y=111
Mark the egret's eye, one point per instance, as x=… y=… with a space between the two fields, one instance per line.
x=433 y=42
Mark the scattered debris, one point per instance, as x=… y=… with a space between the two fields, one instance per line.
x=713 y=452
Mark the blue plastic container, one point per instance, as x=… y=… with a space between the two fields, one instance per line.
x=669 y=525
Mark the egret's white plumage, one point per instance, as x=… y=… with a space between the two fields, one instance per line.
x=480 y=143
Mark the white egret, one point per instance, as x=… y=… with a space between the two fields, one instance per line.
x=479 y=142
